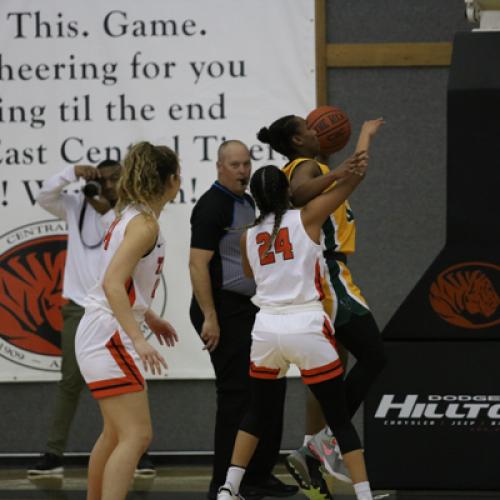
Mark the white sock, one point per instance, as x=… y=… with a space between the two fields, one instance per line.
x=307 y=438
x=234 y=476
x=363 y=491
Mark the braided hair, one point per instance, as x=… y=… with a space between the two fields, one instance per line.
x=269 y=187
x=279 y=135
x=146 y=170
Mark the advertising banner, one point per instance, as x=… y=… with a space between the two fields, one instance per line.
x=432 y=419
x=82 y=81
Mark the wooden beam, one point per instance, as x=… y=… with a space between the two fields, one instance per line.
x=363 y=55
x=321 y=70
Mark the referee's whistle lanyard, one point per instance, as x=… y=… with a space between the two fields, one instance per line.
x=80 y=228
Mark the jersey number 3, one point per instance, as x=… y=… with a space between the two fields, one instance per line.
x=282 y=245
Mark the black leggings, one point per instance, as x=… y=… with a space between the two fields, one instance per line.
x=231 y=362
x=331 y=396
x=361 y=337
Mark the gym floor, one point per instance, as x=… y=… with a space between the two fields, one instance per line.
x=175 y=483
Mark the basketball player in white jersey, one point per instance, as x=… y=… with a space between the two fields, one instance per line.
x=111 y=349
x=283 y=252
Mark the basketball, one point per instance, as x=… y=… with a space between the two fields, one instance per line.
x=332 y=126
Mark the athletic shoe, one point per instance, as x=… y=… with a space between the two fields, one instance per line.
x=145 y=468
x=225 y=493
x=49 y=465
x=248 y=494
x=305 y=469
x=297 y=466
x=270 y=487
x=325 y=448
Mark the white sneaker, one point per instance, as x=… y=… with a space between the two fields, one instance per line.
x=325 y=448
x=225 y=493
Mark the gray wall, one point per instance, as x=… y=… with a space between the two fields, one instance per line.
x=182 y=412
x=400 y=207
x=400 y=210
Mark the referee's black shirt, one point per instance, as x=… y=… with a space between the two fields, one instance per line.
x=218 y=210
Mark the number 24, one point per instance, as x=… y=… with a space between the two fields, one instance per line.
x=282 y=245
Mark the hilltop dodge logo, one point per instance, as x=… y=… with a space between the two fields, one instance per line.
x=31 y=274
x=433 y=410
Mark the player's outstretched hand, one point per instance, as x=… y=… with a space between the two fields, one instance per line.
x=371 y=127
x=151 y=359
x=359 y=163
x=353 y=165
x=164 y=331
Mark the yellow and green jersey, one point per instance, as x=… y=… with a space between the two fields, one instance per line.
x=342 y=298
x=340 y=229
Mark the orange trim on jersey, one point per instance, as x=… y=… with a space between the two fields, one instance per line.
x=109 y=232
x=123 y=358
x=322 y=373
x=130 y=288
x=99 y=384
x=133 y=381
x=328 y=333
x=263 y=372
x=320 y=369
x=113 y=388
x=317 y=280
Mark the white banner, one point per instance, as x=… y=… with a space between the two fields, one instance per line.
x=80 y=82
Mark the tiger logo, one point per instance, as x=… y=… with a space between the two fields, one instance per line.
x=465 y=295
x=32 y=260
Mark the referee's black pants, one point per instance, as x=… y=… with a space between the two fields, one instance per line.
x=231 y=362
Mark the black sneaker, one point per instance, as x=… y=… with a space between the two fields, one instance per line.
x=270 y=487
x=48 y=465
x=145 y=467
x=306 y=470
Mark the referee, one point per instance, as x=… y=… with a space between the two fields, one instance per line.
x=223 y=315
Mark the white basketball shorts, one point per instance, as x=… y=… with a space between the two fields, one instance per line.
x=303 y=338
x=106 y=356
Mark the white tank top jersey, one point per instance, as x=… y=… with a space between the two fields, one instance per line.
x=290 y=273
x=141 y=286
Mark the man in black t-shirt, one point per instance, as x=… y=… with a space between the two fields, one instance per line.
x=223 y=315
